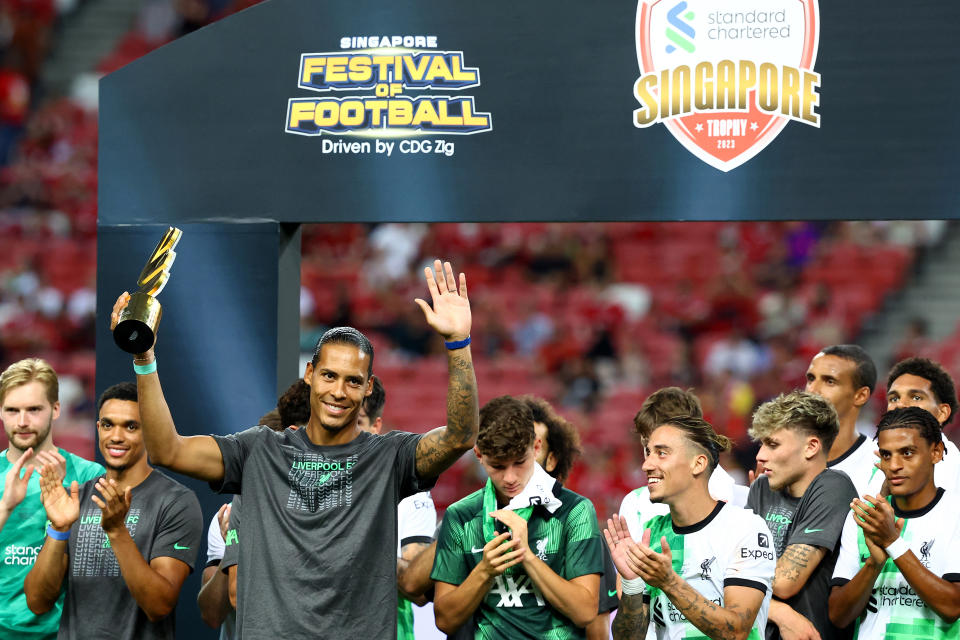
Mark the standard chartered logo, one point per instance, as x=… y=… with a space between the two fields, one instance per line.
x=20 y=555
x=680 y=33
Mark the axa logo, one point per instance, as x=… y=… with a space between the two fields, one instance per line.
x=512 y=588
x=726 y=76
x=679 y=31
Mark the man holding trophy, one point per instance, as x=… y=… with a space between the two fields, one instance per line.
x=321 y=501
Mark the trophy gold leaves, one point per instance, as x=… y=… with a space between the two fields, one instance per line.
x=136 y=328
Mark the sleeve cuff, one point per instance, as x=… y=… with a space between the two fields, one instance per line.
x=745 y=582
x=415 y=539
x=839 y=582
x=951 y=577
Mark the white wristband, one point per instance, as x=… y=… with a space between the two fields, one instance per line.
x=633 y=587
x=897 y=548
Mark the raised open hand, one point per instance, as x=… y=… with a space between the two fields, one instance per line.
x=62 y=508
x=618 y=540
x=450 y=315
x=15 y=486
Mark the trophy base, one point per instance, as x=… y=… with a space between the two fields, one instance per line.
x=137 y=328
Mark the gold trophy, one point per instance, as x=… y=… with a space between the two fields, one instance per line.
x=136 y=328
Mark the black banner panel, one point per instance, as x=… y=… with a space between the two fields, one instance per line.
x=298 y=110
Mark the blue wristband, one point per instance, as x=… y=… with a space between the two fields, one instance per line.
x=145 y=369
x=62 y=536
x=459 y=344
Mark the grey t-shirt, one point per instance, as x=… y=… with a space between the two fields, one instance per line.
x=320 y=529
x=814 y=519
x=164 y=521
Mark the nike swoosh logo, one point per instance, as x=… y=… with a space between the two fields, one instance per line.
x=475 y=550
x=176 y=545
x=612 y=593
x=811 y=530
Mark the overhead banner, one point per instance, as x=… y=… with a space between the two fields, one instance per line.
x=369 y=111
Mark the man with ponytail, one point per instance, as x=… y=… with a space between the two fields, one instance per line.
x=704 y=569
x=804 y=504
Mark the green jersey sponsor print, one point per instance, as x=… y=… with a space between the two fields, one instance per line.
x=894 y=610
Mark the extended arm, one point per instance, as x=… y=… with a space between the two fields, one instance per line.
x=154 y=586
x=450 y=317
x=196 y=456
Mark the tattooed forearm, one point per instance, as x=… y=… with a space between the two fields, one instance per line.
x=441 y=447
x=632 y=619
x=731 y=621
x=794 y=567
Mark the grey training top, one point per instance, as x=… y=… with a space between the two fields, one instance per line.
x=815 y=519
x=164 y=521
x=317 y=549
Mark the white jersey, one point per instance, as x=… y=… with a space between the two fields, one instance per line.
x=416 y=520
x=637 y=508
x=731 y=547
x=894 y=609
x=860 y=464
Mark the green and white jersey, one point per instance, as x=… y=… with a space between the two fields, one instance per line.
x=637 y=508
x=416 y=522
x=895 y=611
x=568 y=540
x=730 y=547
x=20 y=541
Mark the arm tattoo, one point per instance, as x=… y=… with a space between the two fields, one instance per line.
x=632 y=618
x=441 y=447
x=729 y=621
x=794 y=562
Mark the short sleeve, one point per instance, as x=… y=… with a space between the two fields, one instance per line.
x=754 y=557
x=231 y=546
x=582 y=543
x=214 y=542
x=179 y=529
x=418 y=519
x=234 y=448
x=848 y=561
x=449 y=564
x=822 y=511
x=406 y=467
x=608 y=583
